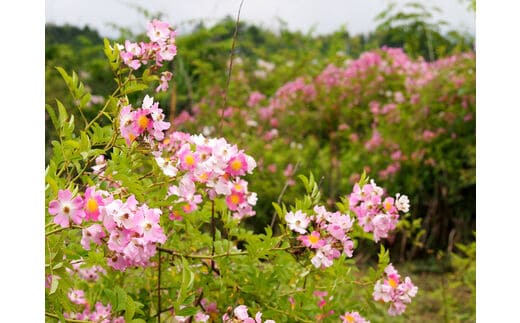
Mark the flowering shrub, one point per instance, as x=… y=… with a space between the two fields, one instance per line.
x=407 y=122
x=148 y=220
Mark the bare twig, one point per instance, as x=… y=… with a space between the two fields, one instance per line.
x=235 y=35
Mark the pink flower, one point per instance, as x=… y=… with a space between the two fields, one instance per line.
x=298 y=221
x=158 y=30
x=77 y=296
x=241 y=312
x=392 y=290
x=66 y=208
x=352 y=317
x=94 y=233
x=165 y=78
x=312 y=241
x=93 y=200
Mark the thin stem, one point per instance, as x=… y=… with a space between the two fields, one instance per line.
x=66 y=319
x=273 y=219
x=159 y=289
x=219 y=255
x=213 y=233
x=62 y=229
x=235 y=35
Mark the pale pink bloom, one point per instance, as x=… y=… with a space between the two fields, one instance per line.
x=67 y=208
x=201 y=317
x=165 y=78
x=126 y=124
x=297 y=221
x=241 y=312
x=255 y=98
x=167 y=166
x=353 y=317
x=320 y=260
x=93 y=233
x=77 y=296
x=158 y=31
x=100 y=164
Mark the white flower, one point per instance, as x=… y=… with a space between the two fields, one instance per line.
x=297 y=221
x=402 y=203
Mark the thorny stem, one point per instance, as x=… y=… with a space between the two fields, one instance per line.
x=235 y=35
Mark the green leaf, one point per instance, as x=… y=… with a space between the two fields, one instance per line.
x=53 y=117
x=187 y=311
x=137 y=321
x=54 y=284
x=121 y=298
x=130 y=308
x=62 y=113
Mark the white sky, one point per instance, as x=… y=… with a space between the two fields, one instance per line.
x=324 y=15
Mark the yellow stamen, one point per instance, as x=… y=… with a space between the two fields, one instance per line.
x=92 y=205
x=313 y=239
x=143 y=122
x=392 y=283
x=189 y=160
x=234 y=199
x=236 y=165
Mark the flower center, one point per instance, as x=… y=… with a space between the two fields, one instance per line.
x=314 y=239
x=66 y=209
x=234 y=199
x=392 y=283
x=143 y=122
x=189 y=160
x=236 y=165
x=92 y=205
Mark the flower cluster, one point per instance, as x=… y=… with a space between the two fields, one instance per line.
x=326 y=232
x=211 y=163
x=100 y=314
x=90 y=274
x=147 y=121
x=160 y=48
x=392 y=290
x=374 y=213
x=132 y=230
x=352 y=317
x=240 y=315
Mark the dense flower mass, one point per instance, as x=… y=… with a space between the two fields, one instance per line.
x=213 y=165
x=375 y=213
x=160 y=48
x=240 y=314
x=100 y=314
x=324 y=232
x=391 y=289
x=129 y=230
x=147 y=121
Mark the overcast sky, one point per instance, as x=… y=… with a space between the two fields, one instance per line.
x=324 y=15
